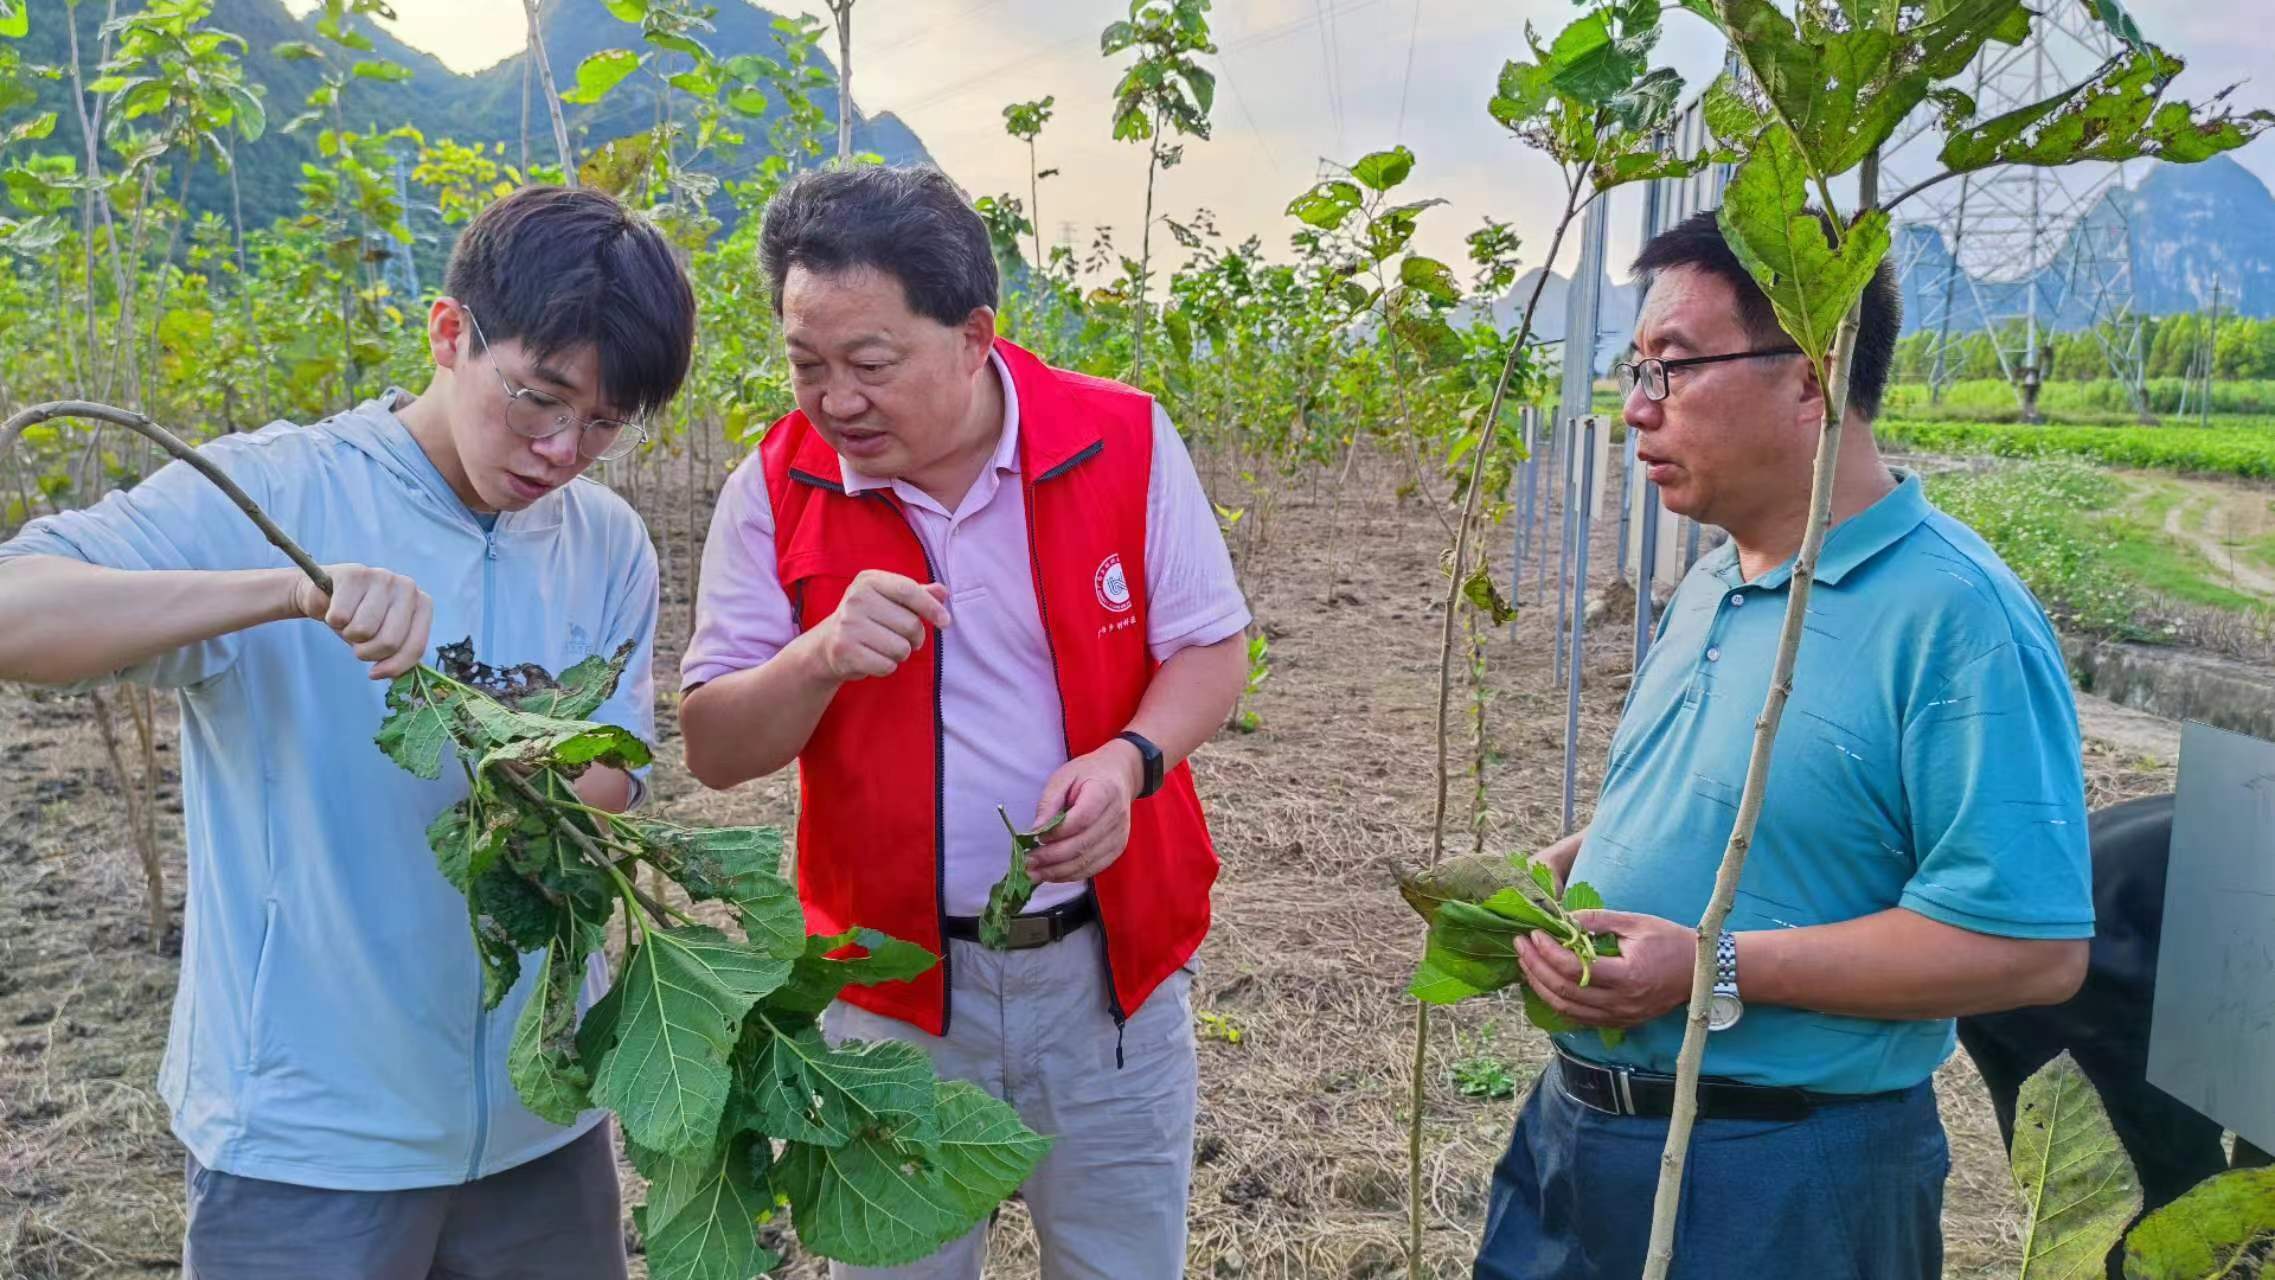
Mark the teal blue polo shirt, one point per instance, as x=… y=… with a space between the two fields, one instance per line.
x=1928 y=759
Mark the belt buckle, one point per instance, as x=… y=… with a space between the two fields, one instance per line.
x=1028 y=932
x=1623 y=1089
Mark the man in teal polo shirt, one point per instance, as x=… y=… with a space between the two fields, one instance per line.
x=1921 y=854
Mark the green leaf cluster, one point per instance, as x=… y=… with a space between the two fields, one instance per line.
x=1477 y=908
x=707 y=1046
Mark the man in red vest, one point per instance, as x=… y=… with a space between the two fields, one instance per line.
x=957 y=579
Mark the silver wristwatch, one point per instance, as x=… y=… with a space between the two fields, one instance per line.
x=1723 y=1007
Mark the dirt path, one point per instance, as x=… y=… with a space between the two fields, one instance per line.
x=2215 y=519
x=1300 y=1162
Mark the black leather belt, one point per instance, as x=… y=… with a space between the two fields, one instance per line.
x=1035 y=929
x=1624 y=1091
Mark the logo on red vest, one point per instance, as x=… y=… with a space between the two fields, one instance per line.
x=1113 y=588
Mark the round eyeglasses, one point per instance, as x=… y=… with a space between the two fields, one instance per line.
x=534 y=415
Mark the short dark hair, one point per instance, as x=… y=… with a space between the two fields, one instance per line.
x=1697 y=242
x=908 y=221
x=559 y=268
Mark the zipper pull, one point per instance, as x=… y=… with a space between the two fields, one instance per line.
x=489 y=546
x=1119 y=1027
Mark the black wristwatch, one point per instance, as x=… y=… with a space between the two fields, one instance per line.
x=1151 y=754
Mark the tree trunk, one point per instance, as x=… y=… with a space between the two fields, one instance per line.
x=245 y=287
x=552 y=94
x=842 y=12
x=1035 y=203
x=1145 y=250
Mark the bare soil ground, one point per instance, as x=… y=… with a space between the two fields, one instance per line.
x=1300 y=1160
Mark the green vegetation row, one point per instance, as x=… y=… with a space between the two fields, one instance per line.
x=2171 y=346
x=2244 y=447
x=1993 y=399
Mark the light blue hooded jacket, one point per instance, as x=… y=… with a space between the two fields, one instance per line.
x=328 y=1028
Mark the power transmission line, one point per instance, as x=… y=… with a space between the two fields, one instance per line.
x=1413 y=31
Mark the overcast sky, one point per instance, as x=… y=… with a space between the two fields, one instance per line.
x=1301 y=82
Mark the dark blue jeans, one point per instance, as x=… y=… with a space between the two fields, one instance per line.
x=1854 y=1192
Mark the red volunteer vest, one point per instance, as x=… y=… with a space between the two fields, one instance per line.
x=870 y=848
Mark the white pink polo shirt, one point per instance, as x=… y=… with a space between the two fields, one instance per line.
x=999 y=699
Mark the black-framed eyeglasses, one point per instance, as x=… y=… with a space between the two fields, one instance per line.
x=534 y=415
x=1651 y=374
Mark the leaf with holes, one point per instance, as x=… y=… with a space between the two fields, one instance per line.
x=883 y=1199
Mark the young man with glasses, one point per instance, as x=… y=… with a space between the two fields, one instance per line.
x=1921 y=853
x=341 y=1091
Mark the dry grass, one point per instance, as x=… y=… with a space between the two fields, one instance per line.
x=1300 y=1168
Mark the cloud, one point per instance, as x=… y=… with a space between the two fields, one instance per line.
x=1302 y=83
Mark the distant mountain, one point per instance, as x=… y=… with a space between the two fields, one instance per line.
x=2185 y=225
x=485 y=106
x=1615 y=317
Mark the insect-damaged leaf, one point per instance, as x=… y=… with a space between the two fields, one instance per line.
x=2219 y=1228
x=882 y=1200
x=1843 y=91
x=796 y=1087
x=577 y=693
x=1429 y=277
x=2115 y=115
x=1785 y=247
x=416 y=732
x=2078 y=1188
x=703 y=1213
x=672 y=1047
x=816 y=978
x=1472 y=878
x=542 y=1059
x=1010 y=895
x=682 y=998
x=465 y=846
x=741 y=865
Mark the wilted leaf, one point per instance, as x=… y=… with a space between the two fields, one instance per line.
x=1010 y=895
x=542 y=1059
x=1471 y=878
x=1484 y=595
